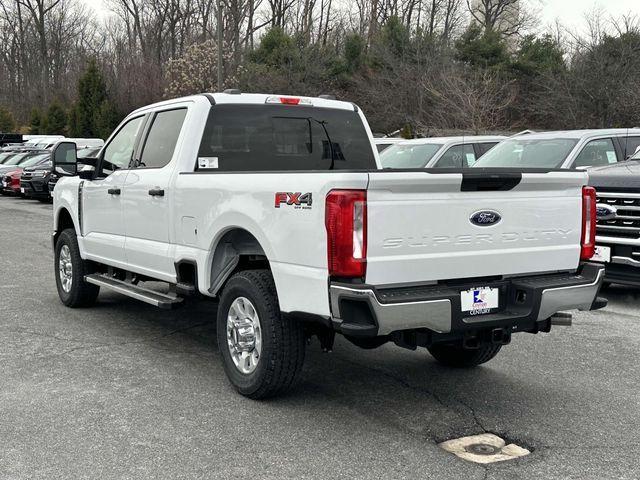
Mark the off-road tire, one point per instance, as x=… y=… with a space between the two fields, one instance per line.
x=283 y=342
x=81 y=294
x=458 y=357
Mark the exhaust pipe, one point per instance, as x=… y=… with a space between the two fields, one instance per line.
x=562 y=319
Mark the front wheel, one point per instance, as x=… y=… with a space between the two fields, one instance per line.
x=70 y=270
x=262 y=352
x=458 y=357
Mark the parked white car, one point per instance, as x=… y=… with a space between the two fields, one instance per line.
x=438 y=152
x=564 y=149
x=383 y=143
x=277 y=206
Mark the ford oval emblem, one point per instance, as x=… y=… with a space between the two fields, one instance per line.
x=605 y=212
x=485 y=218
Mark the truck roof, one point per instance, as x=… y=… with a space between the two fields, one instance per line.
x=580 y=134
x=444 y=140
x=253 y=99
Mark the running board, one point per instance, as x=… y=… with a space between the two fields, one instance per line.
x=151 y=297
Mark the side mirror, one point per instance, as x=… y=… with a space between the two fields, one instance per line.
x=65 y=159
x=86 y=172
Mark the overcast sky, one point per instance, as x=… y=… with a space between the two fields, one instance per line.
x=570 y=12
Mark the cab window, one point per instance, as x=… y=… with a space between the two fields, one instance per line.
x=629 y=145
x=596 y=153
x=118 y=153
x=162 y=139
x=458 y=156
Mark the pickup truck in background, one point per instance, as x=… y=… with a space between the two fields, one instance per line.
x=277 y=207
x=618 y=220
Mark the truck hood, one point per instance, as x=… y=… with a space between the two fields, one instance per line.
x=619 y=175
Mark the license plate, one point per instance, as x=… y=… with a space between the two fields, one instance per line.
x=602 y=254
x=479 y=300
x=22 y=190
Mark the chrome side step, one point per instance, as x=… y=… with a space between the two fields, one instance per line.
x=151 y=297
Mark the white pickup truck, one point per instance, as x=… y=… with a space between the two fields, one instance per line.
x=276 y=206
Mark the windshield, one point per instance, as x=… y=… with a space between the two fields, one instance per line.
x=528 y=152
x=5 y=156
x=34 y=160
x=408 y=155
x=15 y=160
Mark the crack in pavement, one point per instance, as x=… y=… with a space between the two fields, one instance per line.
x=422 y=390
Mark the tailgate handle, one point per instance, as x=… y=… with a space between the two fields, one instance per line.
x=489 y=182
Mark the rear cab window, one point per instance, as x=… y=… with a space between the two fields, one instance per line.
x=258 y=138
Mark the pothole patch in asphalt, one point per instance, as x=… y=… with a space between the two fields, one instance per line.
x=484 y=448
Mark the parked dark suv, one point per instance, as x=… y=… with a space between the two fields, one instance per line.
x=34 y=181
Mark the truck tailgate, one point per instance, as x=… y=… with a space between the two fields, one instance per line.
x=420 y=226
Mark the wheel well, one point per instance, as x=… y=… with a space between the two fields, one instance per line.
x=237 y=250
x=64 y=221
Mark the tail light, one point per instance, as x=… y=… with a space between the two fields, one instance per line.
x=588 y=239
x=346 y=223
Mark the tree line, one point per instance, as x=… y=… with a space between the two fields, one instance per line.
x=422 y=66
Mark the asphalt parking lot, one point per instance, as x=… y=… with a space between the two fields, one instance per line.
x=124 y=390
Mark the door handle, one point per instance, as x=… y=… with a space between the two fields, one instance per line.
x=113 y=191
x=156 y=192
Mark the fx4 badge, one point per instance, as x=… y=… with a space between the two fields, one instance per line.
x=297 y=199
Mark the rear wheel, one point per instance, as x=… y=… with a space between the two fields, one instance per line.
x=458 y=357
x=70 y=270
x=261 y=351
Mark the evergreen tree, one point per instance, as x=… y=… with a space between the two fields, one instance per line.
x=539 y=55
x=7 y=122
x=482 y=48
x=56 y=119
x=354 y=48
x=277 y=49
x=92 y=91
x=73 y=128
x=107 y=118
x=35 y=123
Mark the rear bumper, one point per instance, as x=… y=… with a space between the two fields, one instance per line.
x=525 y=303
